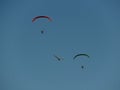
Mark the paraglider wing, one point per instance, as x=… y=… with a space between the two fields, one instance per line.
x=81 y=55
x=37 y=17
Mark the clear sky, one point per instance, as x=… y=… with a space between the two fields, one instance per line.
x=78 y=26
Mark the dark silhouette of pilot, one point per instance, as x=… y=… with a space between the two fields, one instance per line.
x=82 y=67
x=42 y=31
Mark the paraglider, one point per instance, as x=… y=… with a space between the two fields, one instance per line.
x=38 y=17
x=82 y=67
x=58 y=58
x=81 y=55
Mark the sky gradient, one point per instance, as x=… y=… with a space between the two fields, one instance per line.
x=78 y=26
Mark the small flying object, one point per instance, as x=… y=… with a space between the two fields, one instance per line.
x=58 y=58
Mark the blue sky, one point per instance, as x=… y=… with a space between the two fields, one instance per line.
x=26 y=56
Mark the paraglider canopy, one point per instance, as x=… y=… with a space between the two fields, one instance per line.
x=38 y=17
x=80 y=55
